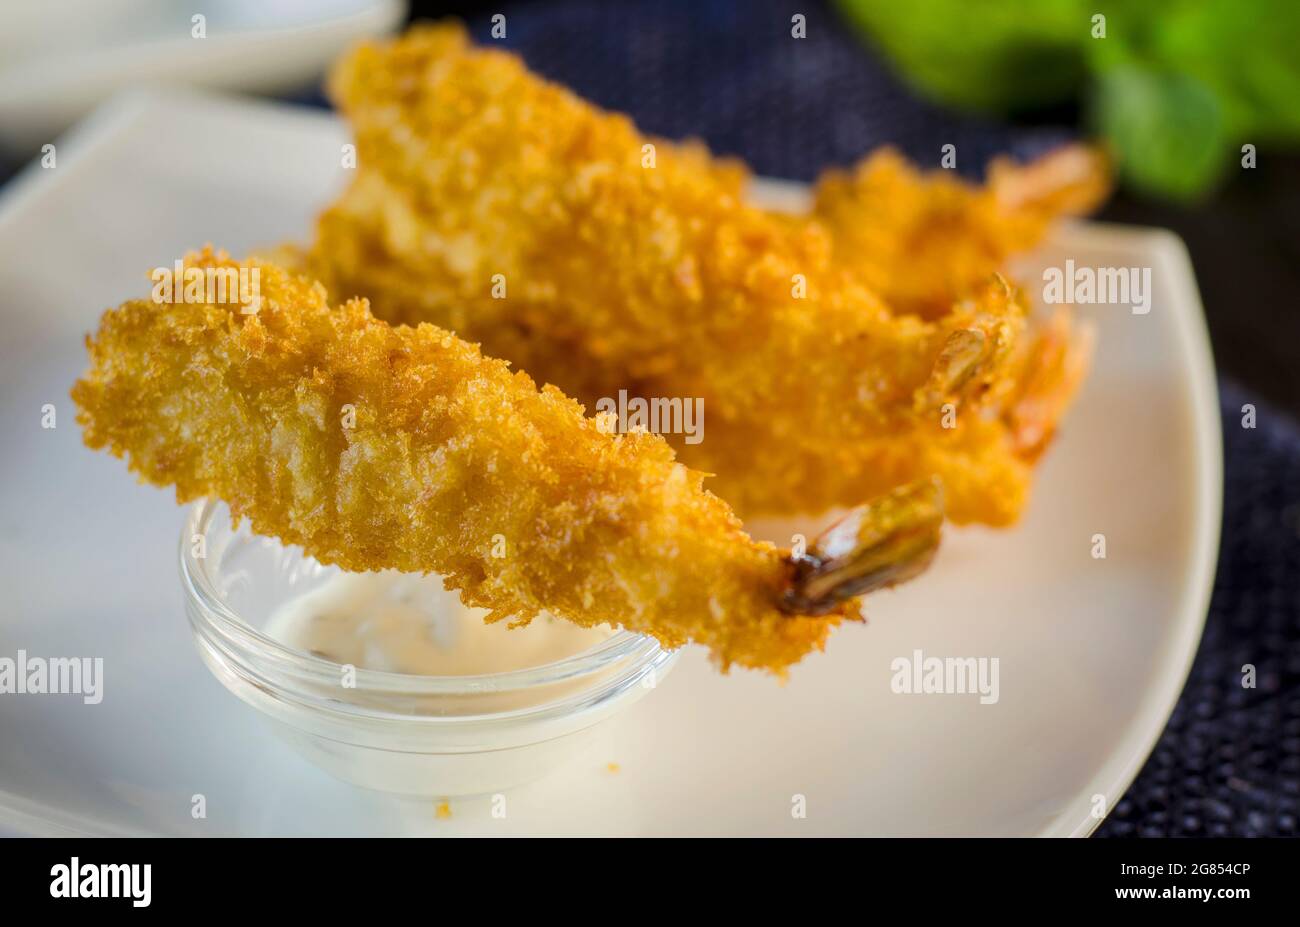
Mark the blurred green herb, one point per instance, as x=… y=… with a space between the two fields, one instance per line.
x=1175 y=86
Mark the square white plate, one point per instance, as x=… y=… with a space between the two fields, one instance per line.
x=1093 y=653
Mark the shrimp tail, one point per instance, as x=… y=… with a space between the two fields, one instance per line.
x=875 y=546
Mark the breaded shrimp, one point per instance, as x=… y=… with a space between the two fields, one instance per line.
x=504 y=208
x=923 y=241
x=380 y=447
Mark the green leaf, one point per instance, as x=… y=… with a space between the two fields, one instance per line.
x=1167 y=129
x=1246 y=52
x=1012 y=55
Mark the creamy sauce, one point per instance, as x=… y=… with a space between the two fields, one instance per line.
x=403 y=623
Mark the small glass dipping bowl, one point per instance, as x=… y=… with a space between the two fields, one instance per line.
x=429 y=736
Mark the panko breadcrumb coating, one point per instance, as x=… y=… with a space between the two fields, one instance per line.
x=924 y=240
x=380 y=447
x=501 y=206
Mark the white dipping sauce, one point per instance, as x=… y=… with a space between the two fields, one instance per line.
x=405 y=623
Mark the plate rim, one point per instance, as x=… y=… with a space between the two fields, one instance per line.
x=1201 y=401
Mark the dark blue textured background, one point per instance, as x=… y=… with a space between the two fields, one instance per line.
x=729 y=73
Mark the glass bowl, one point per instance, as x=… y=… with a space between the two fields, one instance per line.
x=429 y=736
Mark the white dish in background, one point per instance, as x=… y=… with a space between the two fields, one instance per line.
x=60 y=58
x=1093 y=653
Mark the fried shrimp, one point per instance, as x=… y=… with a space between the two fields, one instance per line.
x=924 y=241
x=375 y=447
x=500 y=206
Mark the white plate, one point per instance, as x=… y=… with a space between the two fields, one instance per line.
x=60 y=58
x=1093 y=653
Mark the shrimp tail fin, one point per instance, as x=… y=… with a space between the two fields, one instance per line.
x=877 y=545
